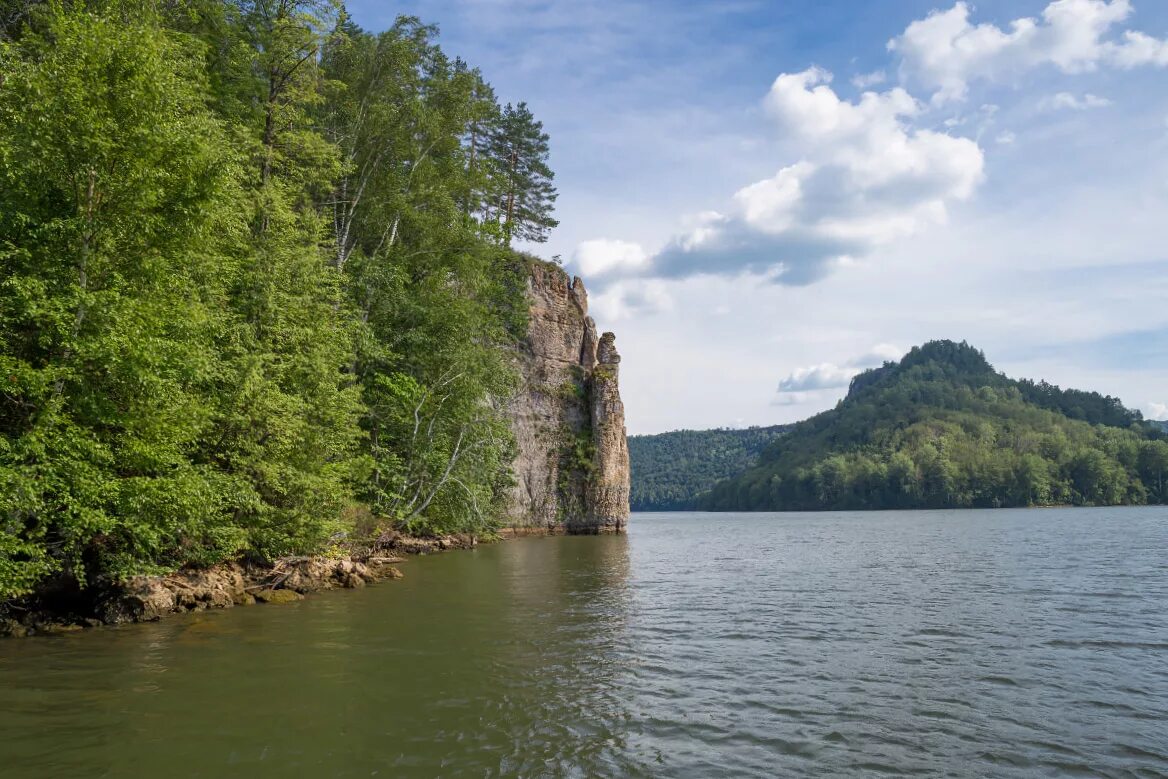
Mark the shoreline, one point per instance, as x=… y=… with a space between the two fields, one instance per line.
x=225 y=585
x=1044 y=506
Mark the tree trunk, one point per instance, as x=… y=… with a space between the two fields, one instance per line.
x=88 y=210
x=470 y=168
x=511 y=195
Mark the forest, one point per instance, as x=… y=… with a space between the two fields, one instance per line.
x=671 y=470
x=943 y=429
x=257 y=290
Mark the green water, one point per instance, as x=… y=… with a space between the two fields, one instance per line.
x=467 y=654
x=998 y=643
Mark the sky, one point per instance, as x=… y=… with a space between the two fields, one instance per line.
x=765 y=197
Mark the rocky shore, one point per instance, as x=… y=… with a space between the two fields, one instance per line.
x=67 y=608
x=571 y=476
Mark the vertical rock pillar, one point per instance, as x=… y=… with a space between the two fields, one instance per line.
x=572 y=464
x=607 y=498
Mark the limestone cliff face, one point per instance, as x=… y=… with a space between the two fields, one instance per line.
x=572 y=470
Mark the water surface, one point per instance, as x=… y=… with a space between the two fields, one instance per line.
x=995 y=643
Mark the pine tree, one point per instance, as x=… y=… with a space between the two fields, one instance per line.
x=519 y=150
x=484 y=115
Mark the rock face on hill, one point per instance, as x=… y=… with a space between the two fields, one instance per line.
x=572 y=468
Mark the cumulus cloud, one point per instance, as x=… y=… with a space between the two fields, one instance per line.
x=603 y=257
x=1139 y=49
x=796 y=386
x=864 y=173
x=817 y=377
x=865 y=179
x=1067 y=101
x=945 y=51
x=1158 y=411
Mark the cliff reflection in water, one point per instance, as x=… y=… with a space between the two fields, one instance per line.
x=935 y=643
x=567 y=605
x=498 y=661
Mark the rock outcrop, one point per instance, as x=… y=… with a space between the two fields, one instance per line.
x=608 y=486
x=572 y=469
x=149 y=598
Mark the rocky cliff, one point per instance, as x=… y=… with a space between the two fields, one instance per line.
x=572 y=470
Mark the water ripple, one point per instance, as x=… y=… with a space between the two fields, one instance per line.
x=955 y=644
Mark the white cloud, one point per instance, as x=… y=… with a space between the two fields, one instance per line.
x=866 y=178
x=627 y=298
x=817 y=377
x=1139 y=49
x=797 y=398
x=945 y=52
x=1068 y=101
x=1158 y=411
x=796 y=387
x=866 y=80
x=606 y=107
x=602 y=257
x=1005 y=138
x=943 y=49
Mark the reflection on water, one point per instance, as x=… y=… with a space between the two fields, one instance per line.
x=932 y=643
x=456 y=669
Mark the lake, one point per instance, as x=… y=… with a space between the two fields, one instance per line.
x=935 y=643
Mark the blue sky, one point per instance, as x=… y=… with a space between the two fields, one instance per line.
x=765 y=197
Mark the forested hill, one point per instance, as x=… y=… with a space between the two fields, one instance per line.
x=672 y=470
x=942 y=428
x=257 y=295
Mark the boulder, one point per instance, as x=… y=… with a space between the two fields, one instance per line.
x=277 y=596
x=138 y=599
x=12 y=628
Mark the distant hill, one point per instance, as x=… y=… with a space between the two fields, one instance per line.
x=1162 y=424
x=942 y=428
x=671 y=470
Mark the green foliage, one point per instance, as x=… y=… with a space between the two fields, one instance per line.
x=518 y=151
x=576 y=468
x=572 y=389
x=249 y=286
x=942 y=429
x=437 y=298
x=114 y=179
x=580 y=454
x=671 y=471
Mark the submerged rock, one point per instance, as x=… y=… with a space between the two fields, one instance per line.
x=277 y=596
x=57 y=628
x=10 y=628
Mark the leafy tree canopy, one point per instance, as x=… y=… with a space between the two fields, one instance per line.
x=256 y=295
